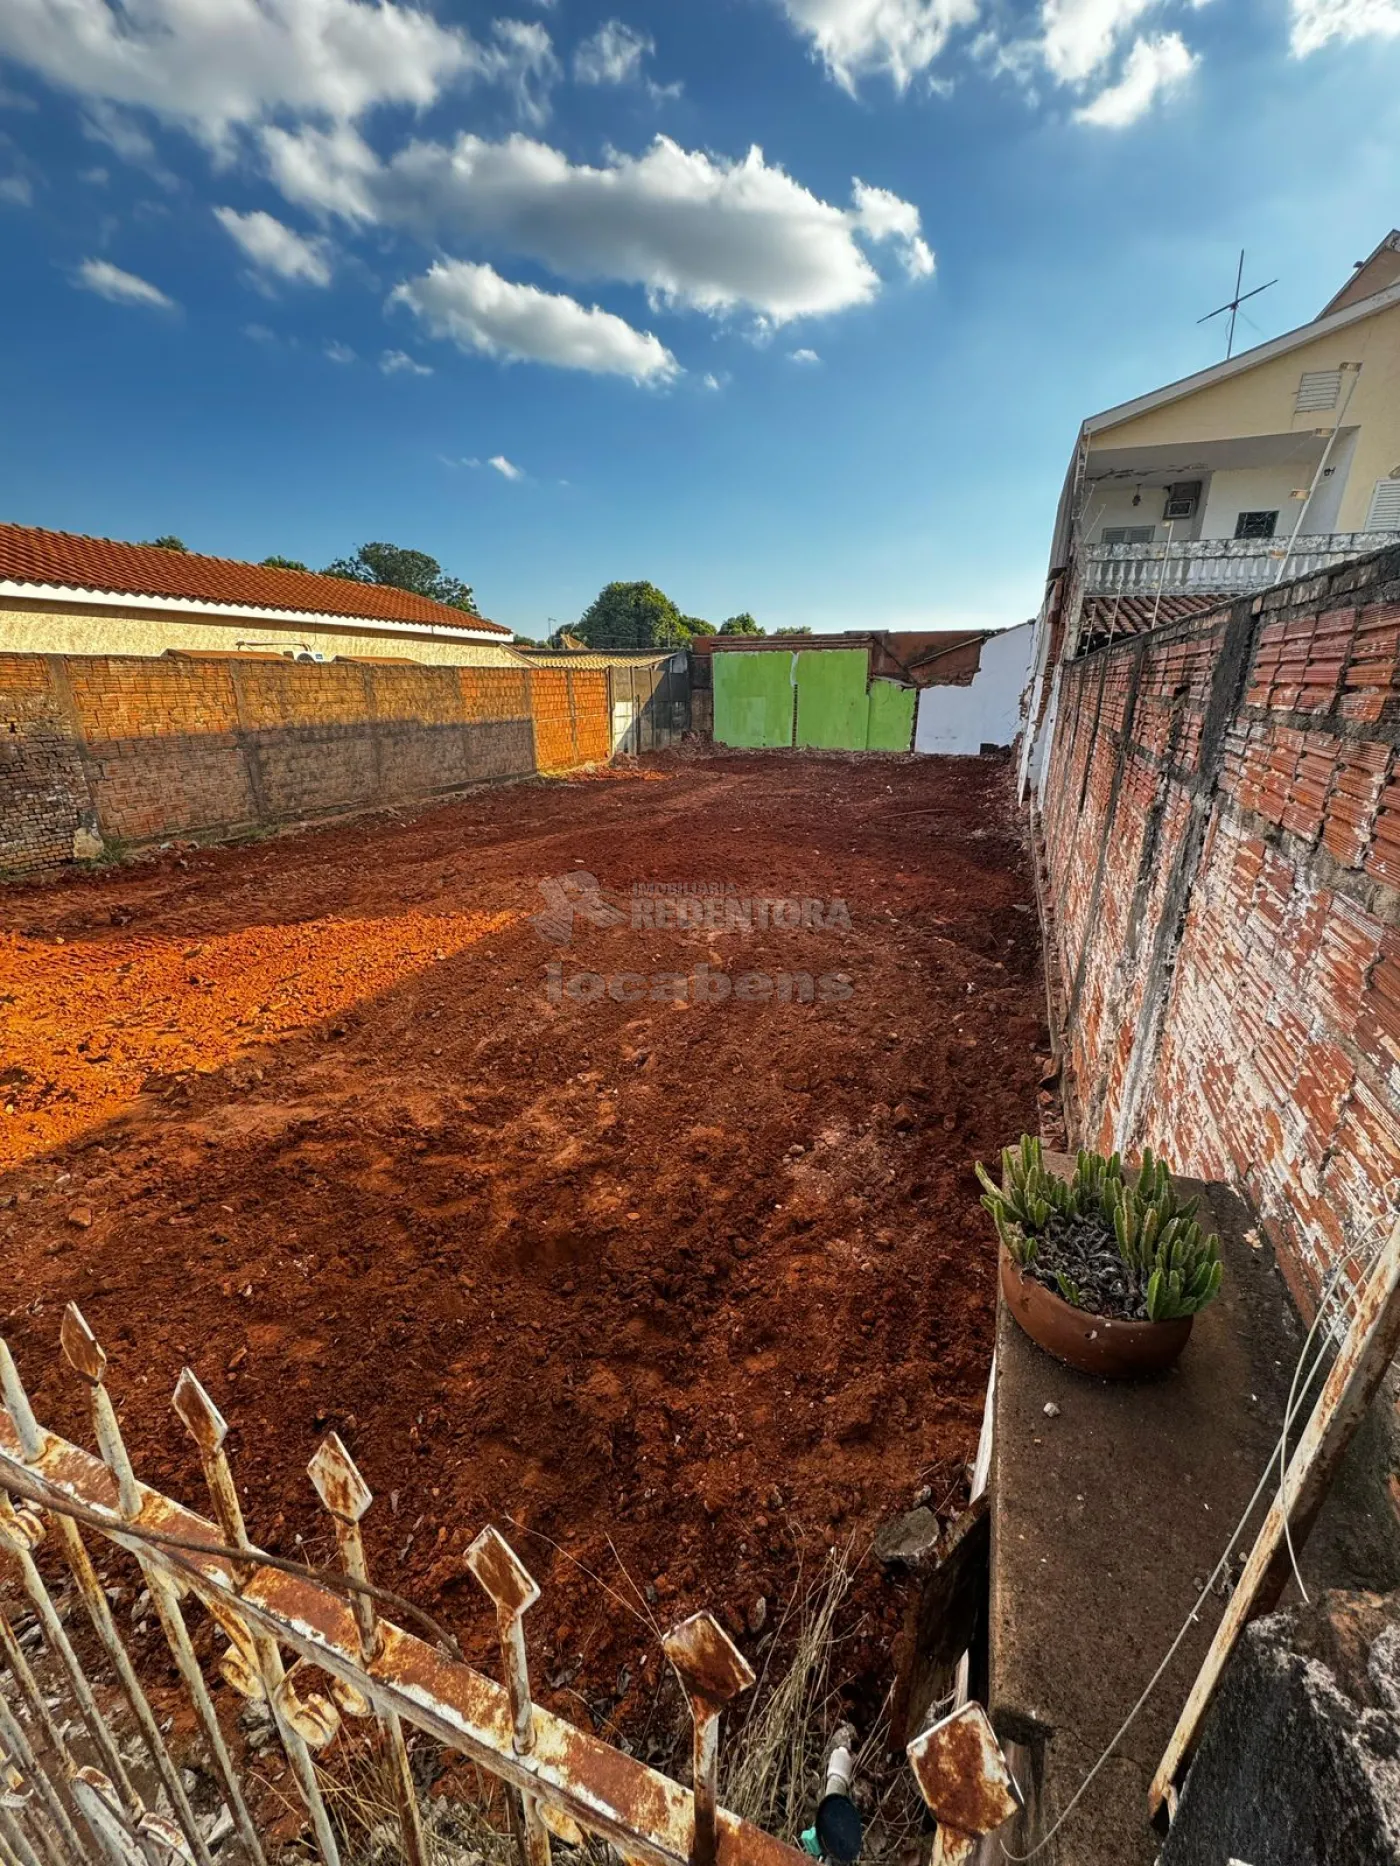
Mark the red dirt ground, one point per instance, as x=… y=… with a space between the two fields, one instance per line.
x=689 y=1292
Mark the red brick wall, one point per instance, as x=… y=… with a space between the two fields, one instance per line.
x=1221 y=827
x=137 y=749
x=573 y=717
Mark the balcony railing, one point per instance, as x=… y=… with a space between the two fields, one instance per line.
x=1227 y=566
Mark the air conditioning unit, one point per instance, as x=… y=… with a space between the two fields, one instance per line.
x=308 y=654
x=1182 y=499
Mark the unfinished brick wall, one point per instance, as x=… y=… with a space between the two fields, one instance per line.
x=1221 y=826
x=141 y=748
x=573 y=717
x=43 y=786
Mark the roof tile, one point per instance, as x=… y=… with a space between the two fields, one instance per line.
x=106 y=565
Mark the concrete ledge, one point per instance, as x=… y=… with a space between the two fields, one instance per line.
x=1106 y=1520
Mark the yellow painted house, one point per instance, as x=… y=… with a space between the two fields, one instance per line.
x=1279 y=461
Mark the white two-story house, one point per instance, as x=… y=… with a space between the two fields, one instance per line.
x=1282 y=460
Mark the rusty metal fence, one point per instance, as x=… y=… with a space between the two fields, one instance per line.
x=313 y=1647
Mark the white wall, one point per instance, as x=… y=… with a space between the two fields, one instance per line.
x=1254 y=489
x=1111 y=503
x=962 y=720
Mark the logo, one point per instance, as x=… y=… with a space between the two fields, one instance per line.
x=569 y=897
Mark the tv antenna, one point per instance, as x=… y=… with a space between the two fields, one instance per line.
x=1232 y=305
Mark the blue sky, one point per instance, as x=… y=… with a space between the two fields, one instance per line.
x=788 y=305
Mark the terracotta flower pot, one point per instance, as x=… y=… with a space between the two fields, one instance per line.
x=1095 y=1344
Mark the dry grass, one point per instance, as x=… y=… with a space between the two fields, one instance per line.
x=773 y=1768
x=772 y=1761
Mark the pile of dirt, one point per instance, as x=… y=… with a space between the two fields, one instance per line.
x=677 y=1294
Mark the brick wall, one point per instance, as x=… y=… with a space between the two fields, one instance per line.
x=1221 y=827
x=573 y=717
x=137 y=749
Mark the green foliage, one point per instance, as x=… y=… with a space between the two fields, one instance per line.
x=792 y=631
x=1175 y=1266
x=740 y=625
x=629 y=618
x=523 y=641
x=168 y=543
x=404 y=570
x=694 y=626
x=284 y=563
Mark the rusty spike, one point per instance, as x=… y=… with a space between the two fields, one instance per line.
x=502 y=1573
x=713 y=1670
x=338 y=1483
x=962 y=1774
x=21 y=1529
x=80 y=1346
x=306 y=1708
x=198 y=1414
x=710 y=1665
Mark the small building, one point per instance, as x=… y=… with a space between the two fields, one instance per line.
x=61 y=593
x=649 y=693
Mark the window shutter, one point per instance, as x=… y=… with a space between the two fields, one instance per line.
x=1385 y=506
x=1318 y=389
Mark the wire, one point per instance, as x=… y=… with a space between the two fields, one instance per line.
x=39 y=1493
x=1020 y=1859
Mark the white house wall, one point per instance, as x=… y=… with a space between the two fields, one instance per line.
x=961 y=720
x=1254 y=489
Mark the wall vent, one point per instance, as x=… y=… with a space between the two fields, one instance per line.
x=1318 y=388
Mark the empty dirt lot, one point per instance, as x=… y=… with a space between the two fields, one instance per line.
x=689 y=1291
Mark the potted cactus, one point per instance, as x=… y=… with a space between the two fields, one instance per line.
x=1104 y=1271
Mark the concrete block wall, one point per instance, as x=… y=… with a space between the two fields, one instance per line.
x=135 y=749
x=1221 y=829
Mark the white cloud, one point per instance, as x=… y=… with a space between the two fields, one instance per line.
x=613 y=55
x=277 y=249
x=479 y=310
x=900 y=38
x=94 y=177
x=882 y=215
x=1316 y=22
x=803 y=356
x=259 y=333
x=123 y=288
x=711 y=381
x=1154 y=68
x=400 y=363
x=215 y=64
x=505 y=467
x=18 y=190
x=339 y=352
x=1082 y=35
x=694 y=229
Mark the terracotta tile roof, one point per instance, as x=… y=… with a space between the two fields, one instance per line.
x=1109 y=618
x=61 y=558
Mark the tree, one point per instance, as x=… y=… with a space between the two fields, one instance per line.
x=523 y=641
x=168 y=543
x=284 y=563
x=791 y=631
x=405 y=570
x=632 y=617
x=694 y=626
x=741 y=625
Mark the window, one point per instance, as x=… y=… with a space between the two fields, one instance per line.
x=1127 y=534
x=1256 y=524
x=1384 y=514
x=1318 y=389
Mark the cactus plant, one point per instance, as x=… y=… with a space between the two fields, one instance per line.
x=1170 y=1267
